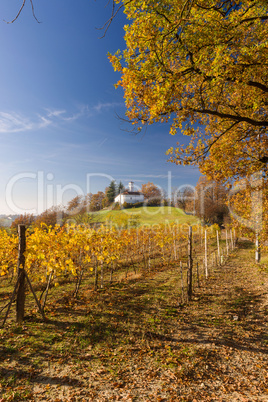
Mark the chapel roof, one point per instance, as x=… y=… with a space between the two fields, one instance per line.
x=127 y=192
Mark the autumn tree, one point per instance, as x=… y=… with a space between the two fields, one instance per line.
x=152 y=194
x=202 y=66
x=248 y=204
x=51 y=216
x=184 y=198
x=2 y=223
x=75 y=205
x=96 y=202
x=211 y=201
x=25 y=219
x=86 y=202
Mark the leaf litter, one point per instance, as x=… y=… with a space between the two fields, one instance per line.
x=135 y=341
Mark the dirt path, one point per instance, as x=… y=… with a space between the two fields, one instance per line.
x=137 y=344
x=228 y=320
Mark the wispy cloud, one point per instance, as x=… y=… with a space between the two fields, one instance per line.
x=149 y=176
x=103 y=106
x=63 y=115
x=55 y=113
x=13 y=122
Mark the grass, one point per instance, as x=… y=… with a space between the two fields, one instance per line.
x=145 y=216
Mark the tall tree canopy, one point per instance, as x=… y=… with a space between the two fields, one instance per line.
x=210 y=204
x=202 y=65
x=152 y=194
x=111 y=192
x=120 y=188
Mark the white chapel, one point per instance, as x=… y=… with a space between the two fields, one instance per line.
x=129 y=196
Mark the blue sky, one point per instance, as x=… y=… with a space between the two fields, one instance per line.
x=58 y=127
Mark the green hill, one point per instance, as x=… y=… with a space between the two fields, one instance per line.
x=144 y=216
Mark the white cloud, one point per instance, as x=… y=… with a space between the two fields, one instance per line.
x=149 y=176
x=100 y=106
x=62 y=115
x=55 y=113
x=13 y=122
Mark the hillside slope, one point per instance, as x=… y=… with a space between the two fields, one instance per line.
x=146 y=215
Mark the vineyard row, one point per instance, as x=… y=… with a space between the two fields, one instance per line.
x=51 y=255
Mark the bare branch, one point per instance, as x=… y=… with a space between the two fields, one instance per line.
x=113 y=15
x=17 y=16
x=20 y=10
x=34 y=12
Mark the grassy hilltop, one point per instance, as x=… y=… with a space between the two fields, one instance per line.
x=145 y=216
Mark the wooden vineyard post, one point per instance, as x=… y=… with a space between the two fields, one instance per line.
x=149 y=253
x=174 y=243
x=235 y=239
x=182 y=287
x=197 y=275
x=111 y=272
x=101 y=265
x=190 y=265
x=102 y=283
x=218 y=246
x=96 y=275
x=19 y=289
x=227 y=246
x=20 y=305
x=232 y=240
x=206 y=254
x=257 y=247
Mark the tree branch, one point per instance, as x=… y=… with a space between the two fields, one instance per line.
x=20 y=10
x=113 y=15
x=257 y=85
x=262 y=18
x=34 y=12
x=18 y=14
x=209 y=146
x=237 y=118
